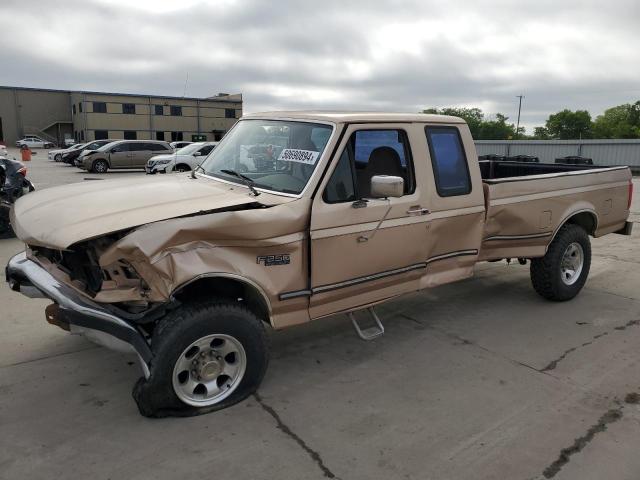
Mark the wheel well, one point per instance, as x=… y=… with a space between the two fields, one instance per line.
x=187 y=167
x=228 y=288
x=586 y=220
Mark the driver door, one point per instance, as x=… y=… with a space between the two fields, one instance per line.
x=364 y=250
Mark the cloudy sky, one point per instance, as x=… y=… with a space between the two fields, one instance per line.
x=388 y=55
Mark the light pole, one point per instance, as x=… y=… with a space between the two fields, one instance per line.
x=519 y=109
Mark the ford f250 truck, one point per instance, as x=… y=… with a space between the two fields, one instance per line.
x=296 y=216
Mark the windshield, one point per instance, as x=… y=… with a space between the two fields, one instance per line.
x=277 y=155
x=106 y=146
x=190 y=149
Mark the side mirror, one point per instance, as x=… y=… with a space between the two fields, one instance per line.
x=113 y=150
x=383 y=186
x=197 y=154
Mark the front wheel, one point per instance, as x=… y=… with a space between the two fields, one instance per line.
x=100 y=166
x=207 y=356
x=57 y=158
x=563 y=271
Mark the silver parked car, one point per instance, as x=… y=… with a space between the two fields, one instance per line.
x=123 y=154
x=185 y=159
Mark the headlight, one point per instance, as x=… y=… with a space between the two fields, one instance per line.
x=162 y=162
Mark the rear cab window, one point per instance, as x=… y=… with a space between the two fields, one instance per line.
x=369 y=153
x=449 y=161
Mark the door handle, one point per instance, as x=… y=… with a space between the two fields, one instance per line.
x=417 y=210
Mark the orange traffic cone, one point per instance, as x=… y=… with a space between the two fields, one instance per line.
x=26 y=153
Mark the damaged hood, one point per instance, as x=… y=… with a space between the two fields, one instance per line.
x=61 y=216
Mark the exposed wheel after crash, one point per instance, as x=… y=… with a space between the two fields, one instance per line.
x=208 y=355
x=293 y=217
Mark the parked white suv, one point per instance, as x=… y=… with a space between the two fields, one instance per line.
x=185 y=159
x=33 y=141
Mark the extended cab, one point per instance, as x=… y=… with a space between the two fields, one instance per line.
x=294 y=217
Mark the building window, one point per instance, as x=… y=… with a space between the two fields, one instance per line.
x=73 y=108
x=229 y=113
x=101 y=134
x=159 y=109
x=176 y=136
x=217 y=135
x=75 y=135
x=82 y=135
x=160 y=136
x=99 y=107
x=176 y=110
x=130 y=135
x=449 y=161
x=80 y=107
x=129 y=108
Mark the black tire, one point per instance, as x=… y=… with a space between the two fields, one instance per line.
x=6 y=230
x=156 y=396
x=181 y=167
x=546 y=272
x=57 y=158
x=100 y=166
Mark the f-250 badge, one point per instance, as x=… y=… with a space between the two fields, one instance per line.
x=271 y=260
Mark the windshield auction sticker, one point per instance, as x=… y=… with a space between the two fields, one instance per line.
x=307 y=157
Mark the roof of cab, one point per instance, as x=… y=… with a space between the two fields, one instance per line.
x=355 y=117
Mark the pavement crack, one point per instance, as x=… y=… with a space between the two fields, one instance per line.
x=580 y=443
x=464 y=341
x=554 y=363
x=315 y=456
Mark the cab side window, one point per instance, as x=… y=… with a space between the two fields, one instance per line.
x=449 y=161
x=370 y=153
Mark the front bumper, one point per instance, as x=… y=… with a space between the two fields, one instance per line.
x=159 y=168
x=81 y=314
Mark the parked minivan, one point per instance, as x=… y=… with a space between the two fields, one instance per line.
x=123 y=154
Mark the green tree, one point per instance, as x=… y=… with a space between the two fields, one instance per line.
x=541 y=133
x=473 y=116
x=498 y=129
x=622 y=121
x=568 y=125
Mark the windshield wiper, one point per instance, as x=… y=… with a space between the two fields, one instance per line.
x=246 y=180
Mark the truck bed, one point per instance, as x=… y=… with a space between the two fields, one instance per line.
x=527 y=202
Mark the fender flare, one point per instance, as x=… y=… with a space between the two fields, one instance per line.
x=568 y=217
x=251 y=284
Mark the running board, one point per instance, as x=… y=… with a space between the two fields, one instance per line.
x=369 y=333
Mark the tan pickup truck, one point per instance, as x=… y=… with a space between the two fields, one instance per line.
x=293 y=217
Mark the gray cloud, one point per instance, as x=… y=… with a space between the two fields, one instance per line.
x=357 y=55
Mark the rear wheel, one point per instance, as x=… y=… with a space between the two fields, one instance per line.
x=100 y=166
x=207 y=356
x=563 y=271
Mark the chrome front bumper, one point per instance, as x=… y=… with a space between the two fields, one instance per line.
x=83 y=315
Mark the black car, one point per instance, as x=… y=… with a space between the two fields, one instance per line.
x=71 y=156
x=13 y=184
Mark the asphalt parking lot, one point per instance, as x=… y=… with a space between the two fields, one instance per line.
x=481 y=379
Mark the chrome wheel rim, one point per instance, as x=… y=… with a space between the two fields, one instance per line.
x=209 y=370
x=100 y=167
x=572 y=263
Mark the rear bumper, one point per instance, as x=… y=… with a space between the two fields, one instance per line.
x=626 y=230
x=81 y=314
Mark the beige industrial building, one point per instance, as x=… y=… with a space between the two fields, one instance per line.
x=55 y=115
